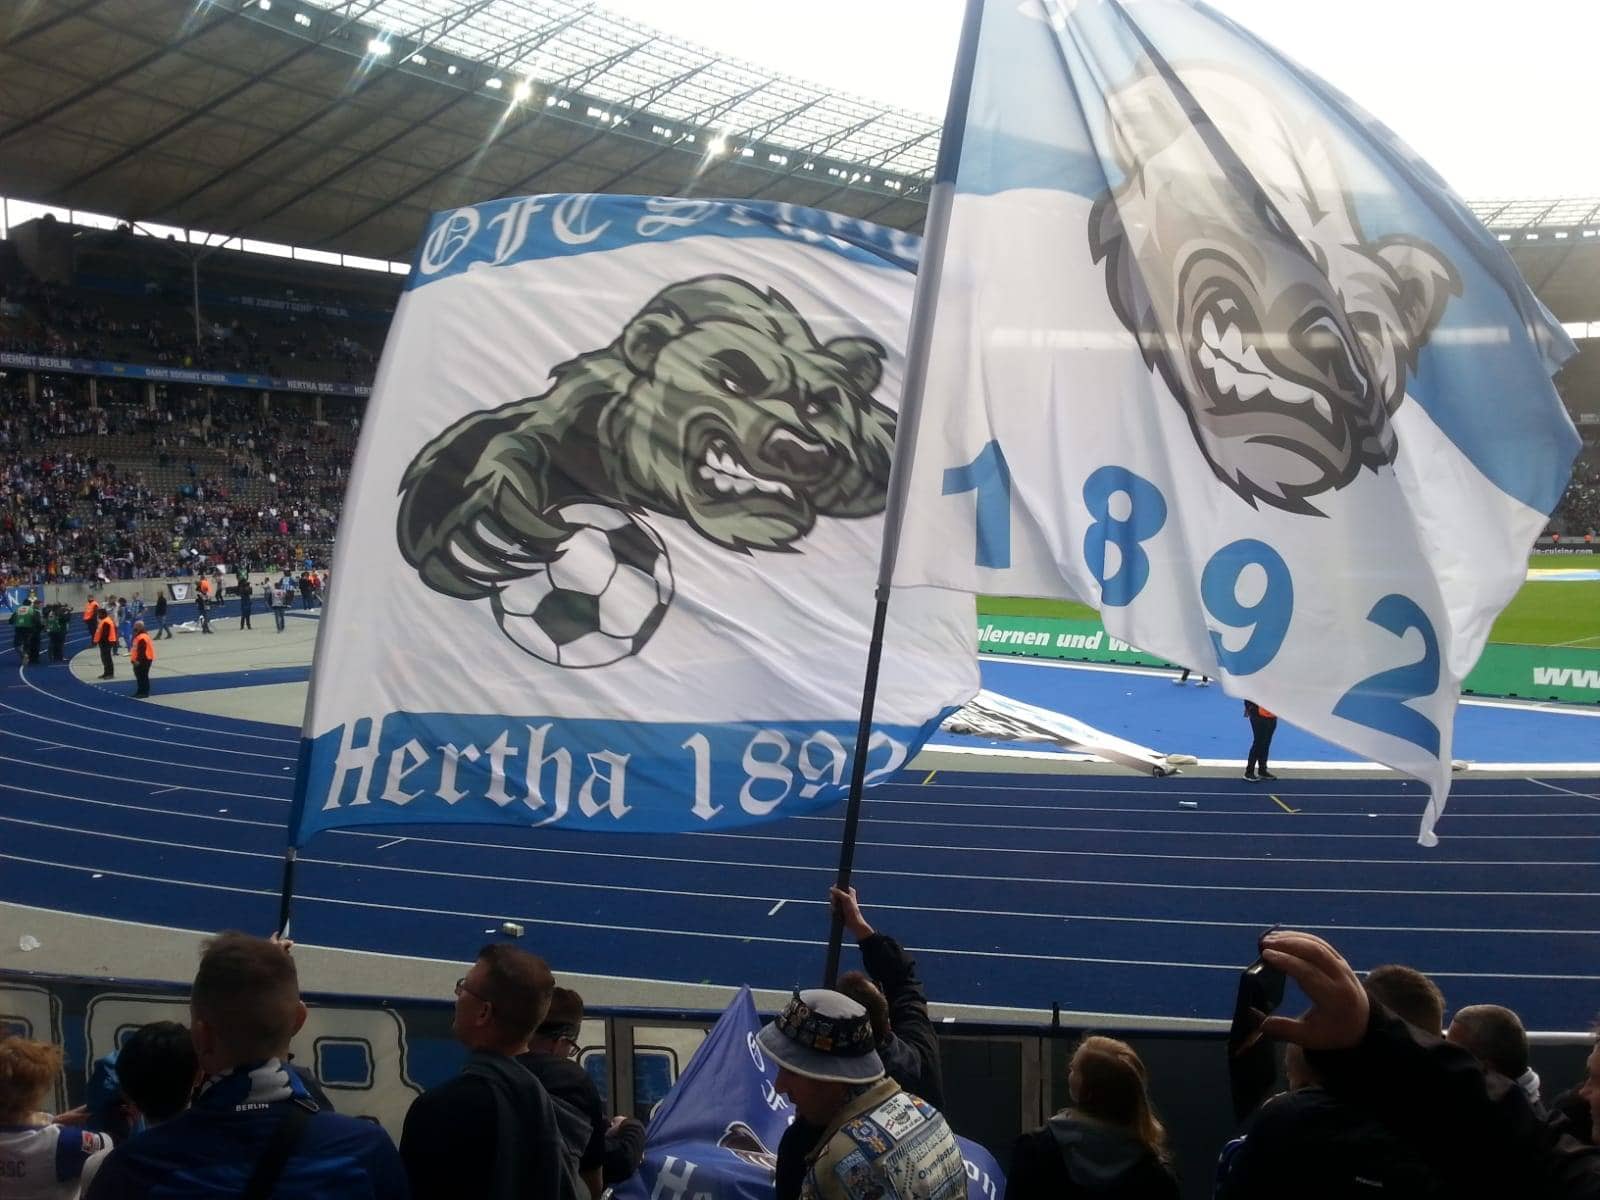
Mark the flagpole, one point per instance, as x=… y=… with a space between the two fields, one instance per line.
x=936 y=230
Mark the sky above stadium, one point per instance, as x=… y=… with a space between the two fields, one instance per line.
x=1498 y=98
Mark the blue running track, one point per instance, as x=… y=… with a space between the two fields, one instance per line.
x=1099 y=892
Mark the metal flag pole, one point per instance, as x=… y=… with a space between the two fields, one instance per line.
x=924 y=306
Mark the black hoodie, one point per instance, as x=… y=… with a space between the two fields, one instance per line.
x=1071 y=1157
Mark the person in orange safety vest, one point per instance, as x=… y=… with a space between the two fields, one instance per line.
x=105 y=636
x=144 y=653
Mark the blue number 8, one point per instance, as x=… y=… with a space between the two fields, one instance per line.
x=1267 y=619
x=1147 y=514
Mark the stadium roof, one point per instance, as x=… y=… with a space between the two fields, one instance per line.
x=341 y=124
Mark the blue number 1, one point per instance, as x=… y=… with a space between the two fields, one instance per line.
x=1379 y=701
x=989 y=476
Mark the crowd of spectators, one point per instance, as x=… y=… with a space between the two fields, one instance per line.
x=125 y=490
x=1382 y=1098
x=1578 y=513
x=75 y=322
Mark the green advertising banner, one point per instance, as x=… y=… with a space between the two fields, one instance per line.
x=1525 y=672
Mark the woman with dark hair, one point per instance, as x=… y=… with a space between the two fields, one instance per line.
x=1107 y=1143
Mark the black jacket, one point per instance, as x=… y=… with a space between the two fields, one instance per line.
x=1073 y=1159
x=1474 y=1127
x=911 y=1055
x=490 y=1133
x=1314 y=1146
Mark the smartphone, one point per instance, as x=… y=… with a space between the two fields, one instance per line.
x=1260 y=995
x=1253 y=1068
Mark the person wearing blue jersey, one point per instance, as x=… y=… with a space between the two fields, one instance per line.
x=253 y=1125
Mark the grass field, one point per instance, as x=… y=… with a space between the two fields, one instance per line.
x=1541 y=614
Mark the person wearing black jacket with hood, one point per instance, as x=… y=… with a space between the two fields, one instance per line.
x=1475 y=1128
x=1108 y=1144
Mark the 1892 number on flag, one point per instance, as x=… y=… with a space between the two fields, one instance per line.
x=1128 y=511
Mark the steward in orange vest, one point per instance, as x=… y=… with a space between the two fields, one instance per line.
x=144 y=653
x=105 y=636
x=89 y=616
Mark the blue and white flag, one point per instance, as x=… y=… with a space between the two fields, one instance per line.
x=610 y=541
x=1212 y=351
x=716 y=1135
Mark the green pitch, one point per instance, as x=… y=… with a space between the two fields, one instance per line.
x=1543 y=614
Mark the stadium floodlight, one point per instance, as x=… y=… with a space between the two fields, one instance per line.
x=451 y=69
x=717 y=145
x=264 y=5
x=420 y=59
x=301 y=18
x=523 y=90
x=377 y=47
x=495 y=82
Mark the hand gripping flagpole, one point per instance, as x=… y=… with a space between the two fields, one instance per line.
x=924 y=306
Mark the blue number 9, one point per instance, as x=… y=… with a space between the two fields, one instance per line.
x=1267 y=619
x=1147 y=513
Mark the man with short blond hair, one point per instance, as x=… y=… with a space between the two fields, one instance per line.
x=253 y=1120
x=492 y=1131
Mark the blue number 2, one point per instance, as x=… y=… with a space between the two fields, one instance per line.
x=1147 y=513
x=1379 y=701
x=989 y=476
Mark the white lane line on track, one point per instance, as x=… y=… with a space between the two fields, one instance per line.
x=386 y=845
x=1106 y=829
x=1204 y=812
x=1186 y=833
x=817 y=869
x=773 y=911
x=160 y=791
x=104 y=712
x=736 y=936
x=22 y=672
x=1388 y=792
x=479 y=847
x=159 y=762
x=1567 y=791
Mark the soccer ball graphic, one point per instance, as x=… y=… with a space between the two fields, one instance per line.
x=598 y=600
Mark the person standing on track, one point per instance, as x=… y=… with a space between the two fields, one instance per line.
x=56 y=627
x=1263 y=724
x=161 y=616
x=143 y=655
x=246 y=601
x=105 y=636
x=91 y=618
x=278 y=598
x=202 y=601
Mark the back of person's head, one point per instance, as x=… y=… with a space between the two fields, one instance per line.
x=1410 y=995
x=1298 y=1070
x=248 y=995
x=27 y=1071
x=564 y=1017
x=860 y=988
x=1495 y=1037
x=157 y=1069
x=1109 y=1083
x=519 y=987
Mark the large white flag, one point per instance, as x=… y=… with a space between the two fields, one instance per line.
x=608 y=552
x=1212 y=351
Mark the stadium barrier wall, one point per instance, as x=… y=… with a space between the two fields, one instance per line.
x=374 y=1056
x=1565 y=673
x=157 y=374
